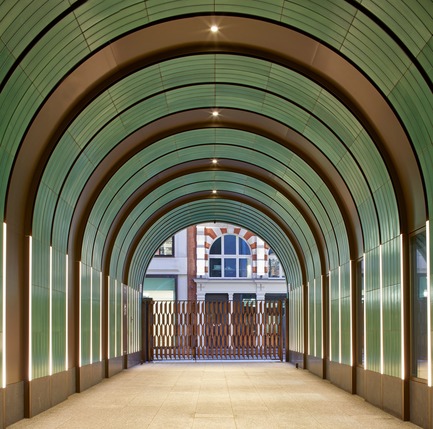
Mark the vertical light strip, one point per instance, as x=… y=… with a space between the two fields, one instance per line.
x=330 y=315
x=115 y=317
x=91 y=315
x=339 y=316
x=4 y=265
x=100 y=316
x=30 y=363
x=315 y=322
x=121 y=319
x=364 y=280
x=79 y=313
x=308 y=318
x=109 y=318
x=350 y=311
x=403 y=363
x=321 y=318
x=66 y=315
x=381 y=307
x=429 y=327
x=50 y=325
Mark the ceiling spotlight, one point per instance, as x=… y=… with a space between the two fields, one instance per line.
x=214 y=191
x=214 y=28
x=214 y=161
x=215 y=113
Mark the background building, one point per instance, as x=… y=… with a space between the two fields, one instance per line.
x=227 y=261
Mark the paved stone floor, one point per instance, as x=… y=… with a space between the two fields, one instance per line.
x=214 y=395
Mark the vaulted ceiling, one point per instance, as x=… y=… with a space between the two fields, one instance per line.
x=322 y=142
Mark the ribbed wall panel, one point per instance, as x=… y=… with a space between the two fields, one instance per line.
x=318 y=308
x=134 y=320
x=334 y=316
x=40 y=307
x=345 y=298
x=59 y=301
x=85 y=313
x=372 y=310
x=114 y=318
x=96 y=315
x=296 y=332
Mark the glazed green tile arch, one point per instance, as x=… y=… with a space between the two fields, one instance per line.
x=293 y=267
x=135 y=219
x=181 y=217
x=287 y=5
x=77 y=188
x=287 y=254
x=57 y=162
x=145 y=208
x=81 y=170
x=196 y=212
x=111 y=213
x=142 y=158
x=105 y=216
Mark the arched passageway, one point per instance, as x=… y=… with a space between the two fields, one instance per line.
x=310 y=120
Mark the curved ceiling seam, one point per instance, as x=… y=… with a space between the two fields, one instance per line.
x=36 y=39
x=364 y=9
x=138 y=222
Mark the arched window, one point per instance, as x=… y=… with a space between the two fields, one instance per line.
x=274 y=267
x=230 y=257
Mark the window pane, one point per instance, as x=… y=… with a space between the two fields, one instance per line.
x=243 y=267
x=419 y=306
x=216 y=247
x=166 y=249
x=244 y=249
x=274 y=267
x=230 y=245
x=215 y=267
x=230 y=267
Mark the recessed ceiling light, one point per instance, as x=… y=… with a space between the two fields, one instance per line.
x=214 y=161
x=215 y=113
x=214 y=191
x=214 y=28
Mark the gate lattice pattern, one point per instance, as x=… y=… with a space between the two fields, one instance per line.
x=217 y=330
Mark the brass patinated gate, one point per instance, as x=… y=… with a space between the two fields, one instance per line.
x=215 y=330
